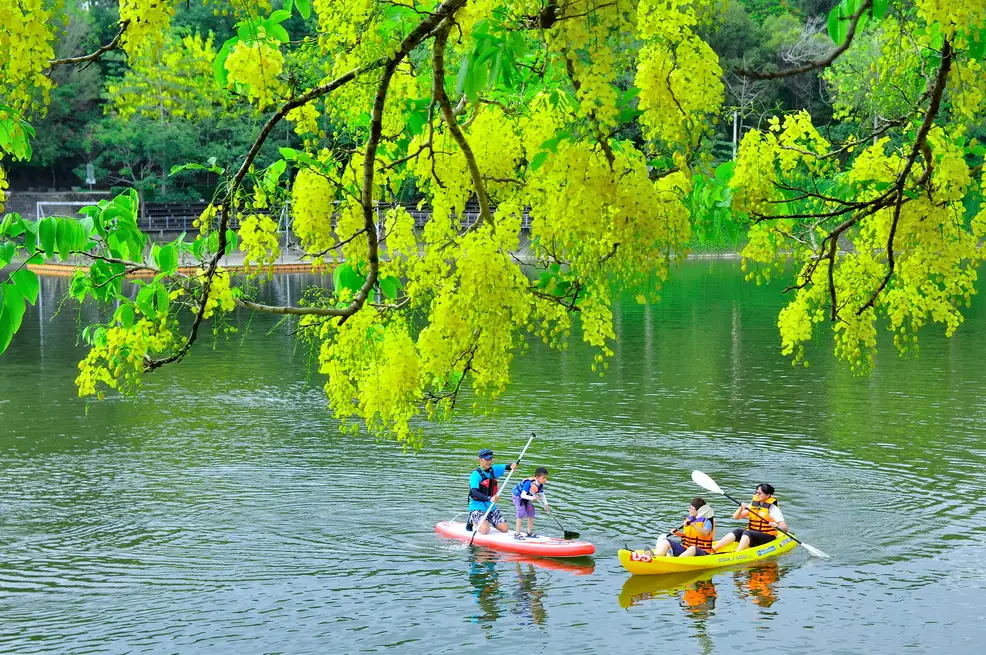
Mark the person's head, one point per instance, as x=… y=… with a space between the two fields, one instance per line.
x=541 y=474
x=764 y=490
x=485 y=458
x=696 y=504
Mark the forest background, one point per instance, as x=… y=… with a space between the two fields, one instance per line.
x=93 y=118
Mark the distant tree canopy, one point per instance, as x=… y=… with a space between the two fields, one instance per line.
x=608 y=121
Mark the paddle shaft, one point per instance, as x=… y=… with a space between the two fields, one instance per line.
x=555 y=519
x=475 y=527
x=796 y=540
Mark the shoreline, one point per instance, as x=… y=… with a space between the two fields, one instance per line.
x=290 y=263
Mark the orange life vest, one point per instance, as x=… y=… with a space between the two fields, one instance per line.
x=759 y=519
x=692 y=536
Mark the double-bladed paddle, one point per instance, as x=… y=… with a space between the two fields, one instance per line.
x=704 y=481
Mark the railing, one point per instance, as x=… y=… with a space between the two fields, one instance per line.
x=180 y=216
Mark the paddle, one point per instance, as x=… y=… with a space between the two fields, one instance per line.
x=704 y=481
x=475 y=527
x=568 y=533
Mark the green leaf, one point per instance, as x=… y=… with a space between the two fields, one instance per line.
x=288 y=5
x=6 y=253
x=304 y=8
x=537 y=161
x=219 y=63
x=163 y=301
x=838 y=25
x=69 y=237
x=145 y=301
x=279 y=16
x=124 y=314
x=232 y=241
x=279 y=33
x=27 y=284
x=6 y=323
x=14 y=307
x=47 y=229
x=345 y=277
x=390 y=286
x=167 y=259
x=880 y=8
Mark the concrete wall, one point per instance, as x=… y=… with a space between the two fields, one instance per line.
x=25 y=203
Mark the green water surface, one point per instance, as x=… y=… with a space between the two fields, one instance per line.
x=222 y=511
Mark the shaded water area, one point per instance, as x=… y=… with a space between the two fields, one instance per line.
x=223 y=510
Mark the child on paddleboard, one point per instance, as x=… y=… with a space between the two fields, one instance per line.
x=524 y=495
x=697 y=533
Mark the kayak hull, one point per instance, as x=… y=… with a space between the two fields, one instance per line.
x=541 y=546
x=640 y=562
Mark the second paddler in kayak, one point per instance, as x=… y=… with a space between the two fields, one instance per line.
x=763 y=518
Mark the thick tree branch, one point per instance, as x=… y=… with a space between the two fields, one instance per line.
x=93 y=56
x=448 y=113
x=424 y=30
x=824 y=62
x=920 y=145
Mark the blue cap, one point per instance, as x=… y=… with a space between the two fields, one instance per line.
x=486 y=453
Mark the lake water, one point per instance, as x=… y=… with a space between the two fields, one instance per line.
x=223 y=511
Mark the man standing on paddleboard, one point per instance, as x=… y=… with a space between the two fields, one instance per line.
x=483 y=493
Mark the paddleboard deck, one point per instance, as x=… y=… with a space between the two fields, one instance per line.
x=542 y=546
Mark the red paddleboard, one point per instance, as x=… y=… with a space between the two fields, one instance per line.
x=541 y=546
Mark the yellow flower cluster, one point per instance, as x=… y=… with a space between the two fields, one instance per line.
x=305 y=119
x=312 y=207
x=118 y=361
x=220 y=294
x=259 y=241
x=149 y=22
x=678 y=74
x=170 y=81
x=3 y=187
x=257 y=66
x=952 y=16
x=26 y=37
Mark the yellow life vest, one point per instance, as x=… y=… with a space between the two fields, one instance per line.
x=759 y=519
x=691 y=536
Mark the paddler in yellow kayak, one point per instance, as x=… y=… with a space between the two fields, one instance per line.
x=763 y=518
x=697 y=533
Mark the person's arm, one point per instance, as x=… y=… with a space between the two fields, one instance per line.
x=741 y=512
x=474 y=491
x=777 y=518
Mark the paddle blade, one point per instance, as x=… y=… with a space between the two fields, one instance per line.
x=814 y=551
x=571 y=535
x=704 y=481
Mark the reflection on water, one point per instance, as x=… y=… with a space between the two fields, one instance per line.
x=758 y=583
x=528 y=606
x=485 y=581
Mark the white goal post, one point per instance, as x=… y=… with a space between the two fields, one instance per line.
x=41 y=208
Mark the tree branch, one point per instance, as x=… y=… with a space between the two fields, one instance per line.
x=920 y=144
x=824 y=62
x=93 y=56
x=423 y=31
x=448 y=113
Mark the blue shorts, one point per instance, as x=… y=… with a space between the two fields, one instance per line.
x=677 y=549
x=494 y=517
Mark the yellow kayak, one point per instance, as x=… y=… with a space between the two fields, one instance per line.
x=642 y=562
